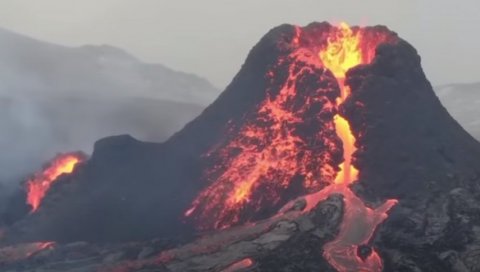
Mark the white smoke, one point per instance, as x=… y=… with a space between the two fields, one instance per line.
x=58 y=99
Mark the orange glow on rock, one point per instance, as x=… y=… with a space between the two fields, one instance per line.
x=39 y=246
x=240 y=265
x=40 y=183
x=267 y=155
x=268 y=152
x=20 y=252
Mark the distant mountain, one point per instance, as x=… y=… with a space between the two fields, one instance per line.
x=463 y=103
x=55 y=98
x=28 y=65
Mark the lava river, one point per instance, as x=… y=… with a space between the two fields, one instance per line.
x=359 y=223
x=273 y=156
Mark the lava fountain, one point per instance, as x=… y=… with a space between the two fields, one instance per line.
x=38 y=186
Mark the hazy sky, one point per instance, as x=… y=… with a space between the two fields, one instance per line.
x=211 y=38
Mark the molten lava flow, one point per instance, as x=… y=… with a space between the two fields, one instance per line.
x=348 y=173
x=39 y=246
x=272 y=152
x=239 y=266
x=41 y=182
x=21 y=252
x=358 y=225
x=343 y=52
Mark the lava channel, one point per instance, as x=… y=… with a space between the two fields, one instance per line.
x=38 y=186
x=343 y=52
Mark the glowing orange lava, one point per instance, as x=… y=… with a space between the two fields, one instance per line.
x=271 y=152
x=268 y=154
x=39 y=246
x=343 y=52
x=41 y=182
x=348 y=173
x=239 y=266
x=19 y=252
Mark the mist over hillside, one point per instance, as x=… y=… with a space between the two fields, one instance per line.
x=30 y=66
x=55 y=98
x=463 y=103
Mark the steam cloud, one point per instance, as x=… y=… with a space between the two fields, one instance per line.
x=56 y=99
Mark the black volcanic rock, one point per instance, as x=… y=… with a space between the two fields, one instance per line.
x=245 y=91
x=270 y=245
x=409 y=148
x=417 y=153
x=412 y=145
x=131 y=185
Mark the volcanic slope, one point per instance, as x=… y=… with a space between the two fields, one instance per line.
x=271 y=137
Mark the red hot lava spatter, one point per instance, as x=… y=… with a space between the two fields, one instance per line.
x=239 y=266
x=19 y=252
x=274 y=151
x=38 y=186
x=288 y=142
